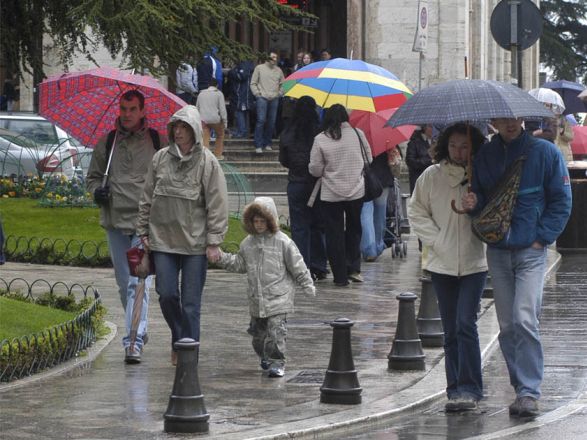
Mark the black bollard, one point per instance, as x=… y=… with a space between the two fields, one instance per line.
x=429 y=322
x=186 y=411
x=341 y=384
x=406 y=351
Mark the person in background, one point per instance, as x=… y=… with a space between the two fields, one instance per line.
x=325 y=54
x=418 y=153
x=212 y=110
x=186 y=79
x=10 y=94
x=265 y=85
x=129 y=149
x=295 y=145
x=242 y=97
x=299 y=57
x=456 y=261
x=337 y=159
x=306 y=61
x=274 y=267
x=517 y=263
x=209 y=67
x=183 y=218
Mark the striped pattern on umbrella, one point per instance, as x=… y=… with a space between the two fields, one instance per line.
x=470 y=100
x=353 y=83
x=85 y=104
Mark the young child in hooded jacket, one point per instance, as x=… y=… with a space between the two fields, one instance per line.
x=274 y=267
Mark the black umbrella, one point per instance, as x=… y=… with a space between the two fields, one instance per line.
x=462 y=100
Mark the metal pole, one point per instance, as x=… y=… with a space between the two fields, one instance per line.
x=420 y=71
x=514 y=39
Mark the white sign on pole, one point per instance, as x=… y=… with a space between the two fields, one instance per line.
x=421 y=37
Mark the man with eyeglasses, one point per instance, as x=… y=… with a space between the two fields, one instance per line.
x=265 y=85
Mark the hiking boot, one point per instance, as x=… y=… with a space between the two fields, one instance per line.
x=461 y=404
x=264 y=364
x=356 y=277
x=525 y=406
x=276 y=370
x=259 y=150
x=132 y=356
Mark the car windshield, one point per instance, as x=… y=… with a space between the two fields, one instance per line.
x=41 y=132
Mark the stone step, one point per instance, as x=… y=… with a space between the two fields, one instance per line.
x=253 y=166
x=249 y=155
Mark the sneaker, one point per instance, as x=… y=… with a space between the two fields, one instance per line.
x=524 y=406
x=264 y=364
x=132 y=356
x=276 y=370
x=356 y=277
x=268 y=148
x=461 y=404
x=259 y=150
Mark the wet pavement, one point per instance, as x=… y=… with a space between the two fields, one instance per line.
x=99 y=397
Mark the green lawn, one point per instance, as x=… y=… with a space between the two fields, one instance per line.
x=15 y=320
x=24 y=217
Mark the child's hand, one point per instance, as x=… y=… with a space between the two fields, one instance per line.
x=310 y=291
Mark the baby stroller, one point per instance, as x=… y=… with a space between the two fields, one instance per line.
x=396 y=222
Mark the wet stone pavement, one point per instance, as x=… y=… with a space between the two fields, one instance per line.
x=102 y=398
x=564 y=390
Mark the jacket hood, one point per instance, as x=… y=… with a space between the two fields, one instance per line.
x=262 y=207
x=190 y=115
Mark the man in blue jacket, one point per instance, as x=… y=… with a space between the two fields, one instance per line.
x=517 y=262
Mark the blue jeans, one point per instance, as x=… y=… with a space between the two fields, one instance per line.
x=307 y=230
x=266 y=115
x=118 y=244
x=373 y=215
x=458 y=303
x=517 y=277
x=180 y=306
x=240 y=119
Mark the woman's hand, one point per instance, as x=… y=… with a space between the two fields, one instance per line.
x=213 y=253
x=145 y=242
x=469 y=201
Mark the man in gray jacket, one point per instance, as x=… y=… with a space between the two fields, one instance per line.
x=212 y=110
x=265 y=83
x=116 y=177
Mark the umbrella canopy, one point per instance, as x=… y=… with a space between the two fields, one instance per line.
x=569 y=91
x=85 y=104
x=380 y=138
x=355 y=84
x=463 y=100
x=549 y=97
x=579 y=142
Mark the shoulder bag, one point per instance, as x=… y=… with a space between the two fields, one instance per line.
x=373 y=187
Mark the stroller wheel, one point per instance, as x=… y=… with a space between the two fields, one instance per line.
x=405 y=249
x=393 y=251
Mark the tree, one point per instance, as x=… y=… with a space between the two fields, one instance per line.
x=563 y=46
x=150 y=34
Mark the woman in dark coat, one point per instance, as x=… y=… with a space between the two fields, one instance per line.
x=418 y=155
x=295 y=145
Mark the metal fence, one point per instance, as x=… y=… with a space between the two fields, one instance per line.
x=24 y=356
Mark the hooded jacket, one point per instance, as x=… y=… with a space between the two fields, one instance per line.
x=186 y=78
x=543 y=204
x=131 y=157
x=451 y=246
x=184 y=208
x=272 y=262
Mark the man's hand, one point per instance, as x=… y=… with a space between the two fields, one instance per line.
x=469 y=201
x=102 y=195
x=537 y=245
x=213 y=253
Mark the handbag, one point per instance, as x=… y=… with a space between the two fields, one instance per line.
x=493 y=222
x=373 y=187
x=140 y=262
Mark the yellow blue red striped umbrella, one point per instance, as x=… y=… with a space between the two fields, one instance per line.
x=353 y=83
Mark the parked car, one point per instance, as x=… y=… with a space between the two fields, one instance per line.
x=31 y=144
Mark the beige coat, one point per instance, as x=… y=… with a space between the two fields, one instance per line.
x=131 y=157
x=451 y=246
x=339 y=163
x=211 y=106
x=184 y=206
x=272 y=262
x=266 y=81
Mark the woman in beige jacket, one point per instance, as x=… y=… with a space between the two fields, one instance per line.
x=183 y=217
x=456 y=260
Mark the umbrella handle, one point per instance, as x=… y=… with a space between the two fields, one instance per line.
x=453 y=205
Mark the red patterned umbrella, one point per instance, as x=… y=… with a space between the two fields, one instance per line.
x=579 y=143
x=85 y=104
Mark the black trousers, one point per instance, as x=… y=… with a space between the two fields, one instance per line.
x=342 y=221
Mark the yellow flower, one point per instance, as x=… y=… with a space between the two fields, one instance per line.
x=38 y=190
x=11 y=194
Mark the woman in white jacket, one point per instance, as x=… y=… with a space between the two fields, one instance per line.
x=456 y=260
